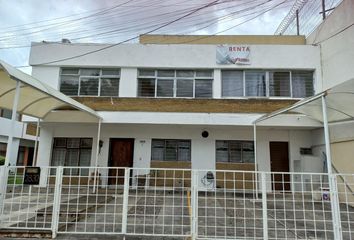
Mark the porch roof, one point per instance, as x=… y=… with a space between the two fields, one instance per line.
x=340 y=105
x=38 y=99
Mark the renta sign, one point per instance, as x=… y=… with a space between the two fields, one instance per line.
x=233 y=54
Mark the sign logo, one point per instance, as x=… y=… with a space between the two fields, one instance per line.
x=233 y=54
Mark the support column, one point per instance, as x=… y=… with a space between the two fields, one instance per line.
x=96 y=175
x=13 y=122
x=34 y=162
x=255 y=157
x=337 y=228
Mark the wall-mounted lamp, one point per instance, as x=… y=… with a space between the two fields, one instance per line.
x=205 y=134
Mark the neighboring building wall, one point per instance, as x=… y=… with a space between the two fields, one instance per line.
x=335 y=37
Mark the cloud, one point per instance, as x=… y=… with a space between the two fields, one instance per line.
x=113 y=23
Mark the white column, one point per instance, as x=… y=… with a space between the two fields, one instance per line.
x=13 y=122
x=331 y=178
x=34 y=163
x=97 y=153
x=255 y=157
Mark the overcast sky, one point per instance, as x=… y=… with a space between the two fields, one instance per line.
x=111 y=21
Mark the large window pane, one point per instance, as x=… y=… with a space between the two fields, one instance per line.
x=184 y=88
x=184 y=151
x=72 y=160
x=69 y=85
x=146 y=87
x=204 y=73
x=302 y=84
x=248 y=152
x=279 y=84
x=171 y=150
x=235 y=151
x=109 y=87
x=232 y=83
x=222 y=151
x=58 y=158
x=89 y=86
x=157 y=150
x=164 y=88
x=203 y=88
x=255 y=83
x=85 y=159
x=146 y=73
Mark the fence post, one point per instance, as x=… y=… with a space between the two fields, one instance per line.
x=336 y=219
x=264 y=205
x=56 y=201
x=3 y=187
x=125 y=200
x=194 y=204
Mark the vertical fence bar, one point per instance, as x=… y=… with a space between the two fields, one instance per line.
x=56 y=201
x=3 y=186
x=194 y=204
x=264 y=205
x=125 y=201
x=337 y=226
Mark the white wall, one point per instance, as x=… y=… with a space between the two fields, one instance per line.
x=336 y=43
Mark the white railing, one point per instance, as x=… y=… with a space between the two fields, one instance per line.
x=215 y=204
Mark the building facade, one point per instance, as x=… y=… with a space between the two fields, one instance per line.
x=173 y=105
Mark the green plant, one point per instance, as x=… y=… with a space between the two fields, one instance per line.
x=2 y=160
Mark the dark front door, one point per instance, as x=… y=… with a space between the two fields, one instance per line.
x=121 y=155
x=279 y=162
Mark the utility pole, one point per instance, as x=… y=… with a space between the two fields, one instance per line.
x=323 y=9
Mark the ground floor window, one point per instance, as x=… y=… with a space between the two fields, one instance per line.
x=234 y=151
x=75 y=152
x=170 y=150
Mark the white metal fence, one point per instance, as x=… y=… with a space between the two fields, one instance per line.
x=180 y=203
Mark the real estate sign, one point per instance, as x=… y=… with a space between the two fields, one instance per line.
x=233 y=54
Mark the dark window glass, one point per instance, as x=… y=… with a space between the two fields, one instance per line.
x=255 y=84
x=164 y=88
x=232 y=83
x=146 y=87
x=302 y=84
x=279 y=84
x=69 y=85
x=89 y=86
x=184 y=88
x=203 y=88
x=109 y=87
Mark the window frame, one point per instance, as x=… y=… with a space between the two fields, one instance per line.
x=175 y=78
x=99 y=77
x=242 y=142
x=267 y=79
x=177 y=146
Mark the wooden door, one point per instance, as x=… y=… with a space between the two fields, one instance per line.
x=121 y=155
x=279 y=162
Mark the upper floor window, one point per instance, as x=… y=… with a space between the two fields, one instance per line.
x=175 y=83
x=5 y=113
x=89 y=81
x=257 y=83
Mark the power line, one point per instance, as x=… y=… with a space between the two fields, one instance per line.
x=127 y=40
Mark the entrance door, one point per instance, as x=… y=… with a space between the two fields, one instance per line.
x=279 y=162
x=121 y=155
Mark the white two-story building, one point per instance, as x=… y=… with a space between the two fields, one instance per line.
x=176 y=105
